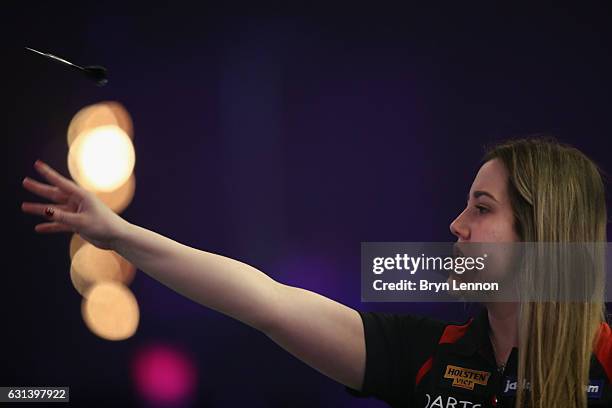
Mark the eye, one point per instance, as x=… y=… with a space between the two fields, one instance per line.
x=482 y=210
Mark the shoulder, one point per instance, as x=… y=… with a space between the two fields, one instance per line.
x=407 y=321
x=417 y=335
x=603 y=349
x=402 y=323
x=399 y=347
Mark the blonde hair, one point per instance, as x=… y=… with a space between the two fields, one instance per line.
x=557 y=195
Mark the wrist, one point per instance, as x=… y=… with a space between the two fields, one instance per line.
x=120 y=235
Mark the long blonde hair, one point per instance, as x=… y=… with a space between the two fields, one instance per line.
x=557 y=195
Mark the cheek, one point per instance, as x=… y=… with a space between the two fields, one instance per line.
x=500 y=263
x=495 y=228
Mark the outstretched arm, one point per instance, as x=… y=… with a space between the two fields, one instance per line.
x=323 y=333
x=220 y=283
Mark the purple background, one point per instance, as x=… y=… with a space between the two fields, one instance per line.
x=284 y=142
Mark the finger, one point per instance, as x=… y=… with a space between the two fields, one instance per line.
x=49 y=227
x=56 y=214
x=57 y=179
x=40 y=209
x=52 y=193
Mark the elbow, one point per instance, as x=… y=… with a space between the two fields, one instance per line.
x=270 y=319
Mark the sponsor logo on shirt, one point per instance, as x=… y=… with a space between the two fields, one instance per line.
x=466 y=377
x=448 y=402
x=594 y=390
x=510 y=385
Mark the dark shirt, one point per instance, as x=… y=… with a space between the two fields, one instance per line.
x=423 y=362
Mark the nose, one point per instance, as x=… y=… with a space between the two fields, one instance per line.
x=459 y=228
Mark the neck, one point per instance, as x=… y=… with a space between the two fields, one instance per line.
x=503 y=321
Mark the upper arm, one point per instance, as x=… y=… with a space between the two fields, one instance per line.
x=325 y=334
x=372 y=353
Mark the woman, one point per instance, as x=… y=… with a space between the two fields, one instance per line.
x=553 y=354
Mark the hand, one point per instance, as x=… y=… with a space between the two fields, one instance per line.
x=75 y=209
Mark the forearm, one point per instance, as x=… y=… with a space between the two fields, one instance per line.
x=220 y=283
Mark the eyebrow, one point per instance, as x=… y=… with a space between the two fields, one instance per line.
x=479 y=193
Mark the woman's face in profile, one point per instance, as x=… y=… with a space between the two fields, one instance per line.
x=488 y=215
x=488 y=219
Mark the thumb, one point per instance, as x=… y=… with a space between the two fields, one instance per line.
x=62 y=216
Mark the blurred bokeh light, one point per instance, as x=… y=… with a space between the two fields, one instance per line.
x=91 y=265
x=76 y=242
x=100 y=114
x=101 y=159
x=110 y=311
x=164 y=375
x=118 y=199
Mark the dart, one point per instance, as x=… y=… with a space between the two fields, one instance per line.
x=95 y=72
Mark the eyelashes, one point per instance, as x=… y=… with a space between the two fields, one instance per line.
x=482 y=210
